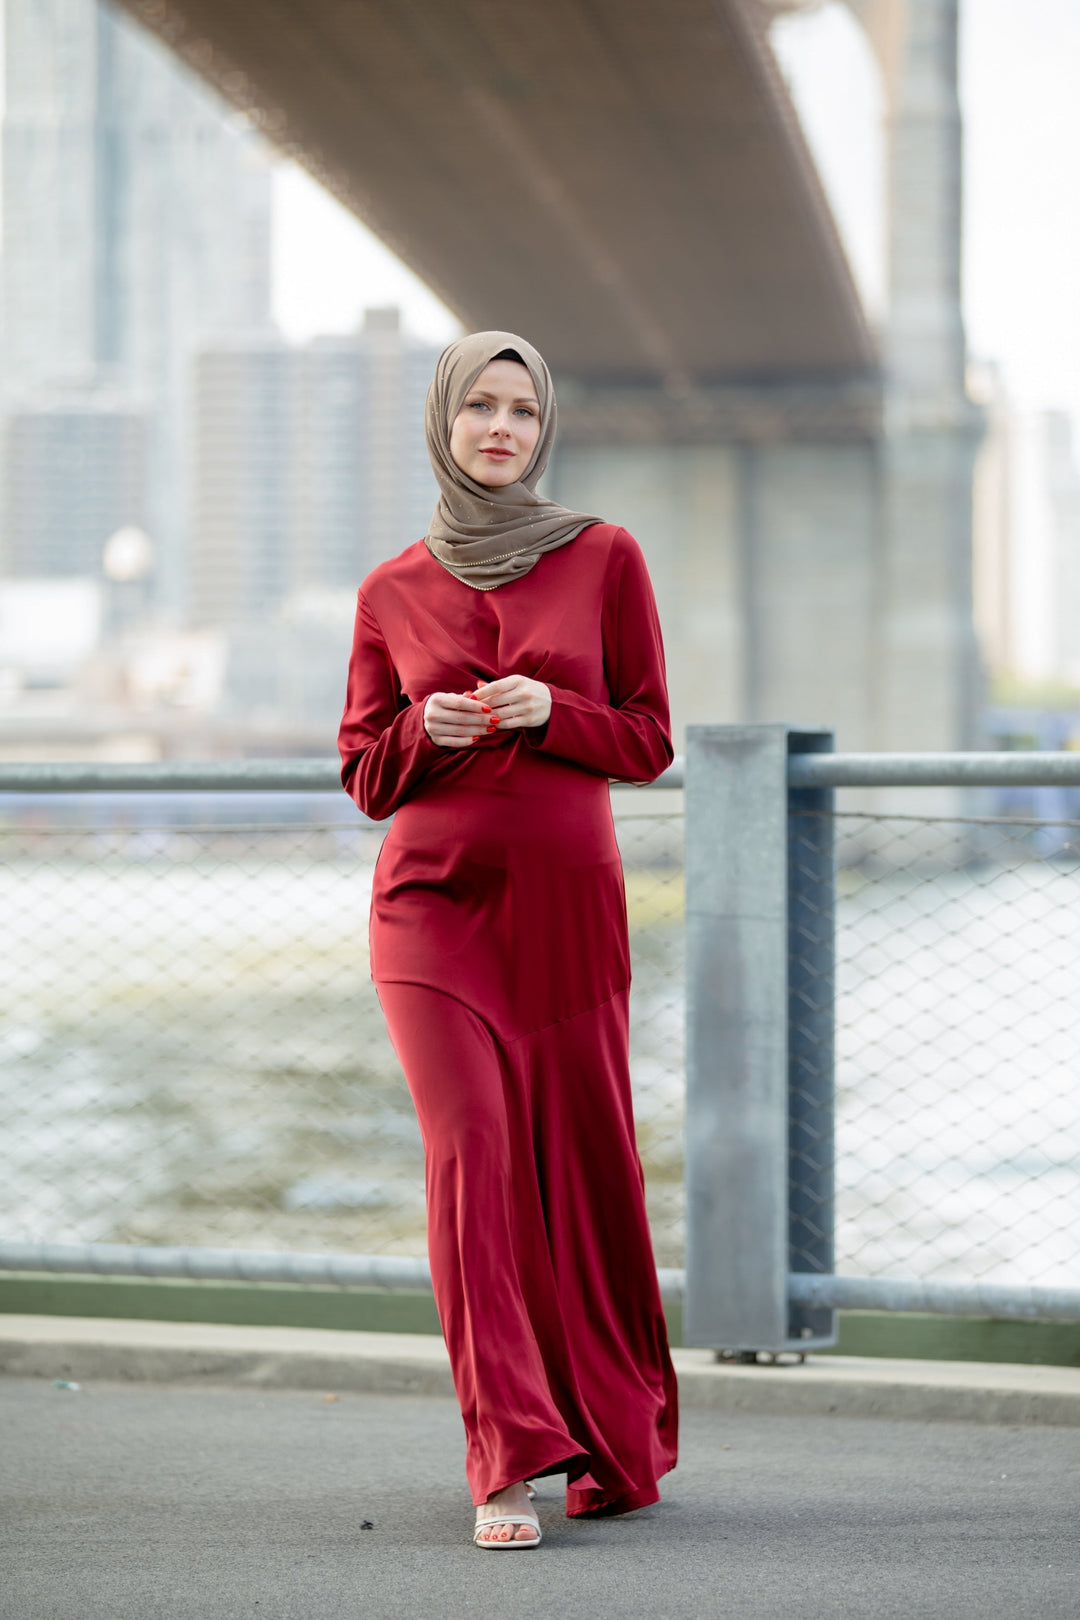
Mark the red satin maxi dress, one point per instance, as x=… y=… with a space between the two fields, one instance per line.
x=499 y=950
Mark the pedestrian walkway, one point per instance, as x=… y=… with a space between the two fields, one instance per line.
x=217 y=1497
x=128 y=1502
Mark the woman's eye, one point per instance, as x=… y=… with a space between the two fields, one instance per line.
x=477 y=405
x=523 y=410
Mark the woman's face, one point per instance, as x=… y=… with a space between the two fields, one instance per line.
x=496 y=430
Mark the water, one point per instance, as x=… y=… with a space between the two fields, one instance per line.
x=958 y=1110
x=191 y=1052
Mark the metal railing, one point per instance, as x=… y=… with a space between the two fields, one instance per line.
x=761 y=1059
x=195 y=1080
x=203 y=776
x=764 y=980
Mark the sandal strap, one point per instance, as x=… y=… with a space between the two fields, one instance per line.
x=506 y=1518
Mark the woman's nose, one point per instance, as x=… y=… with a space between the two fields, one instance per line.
x=500 y=424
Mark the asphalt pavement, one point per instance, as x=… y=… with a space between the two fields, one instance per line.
x=139 y=1500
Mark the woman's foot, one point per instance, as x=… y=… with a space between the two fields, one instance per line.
x=498 y=1519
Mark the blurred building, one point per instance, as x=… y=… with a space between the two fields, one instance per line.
x=217 y=493
x=136 y=226
x=309 y=469
x=366 y=483
x=243 y=498
x=310 y=465
x=73 y=473
x=1042 y=607
x=1062 y=486
x=995 y=565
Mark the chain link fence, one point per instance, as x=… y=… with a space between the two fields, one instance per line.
x=192 y=1053
x=958 y=1049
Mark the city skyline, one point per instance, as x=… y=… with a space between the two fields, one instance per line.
x=136 y=227
x=216 y=491
x=246 y=552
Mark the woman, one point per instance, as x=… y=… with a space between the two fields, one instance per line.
x=503 y=670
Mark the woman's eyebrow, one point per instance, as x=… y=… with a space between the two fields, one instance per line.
x=522 y=399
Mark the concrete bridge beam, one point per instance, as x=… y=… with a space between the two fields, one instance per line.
x=765 y=562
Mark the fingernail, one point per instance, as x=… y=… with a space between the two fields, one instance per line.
x=486 y=708
x=476 y=739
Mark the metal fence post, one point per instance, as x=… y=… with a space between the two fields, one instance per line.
x=811 y=910
x=736 y=1053
x=742 y=909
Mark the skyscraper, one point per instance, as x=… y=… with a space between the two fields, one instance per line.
x=368 y=488
x=136 y=227
x=310 y=465
x=310 y=468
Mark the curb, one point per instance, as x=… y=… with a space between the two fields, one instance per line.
x=921 y=1391
x=85 y=1348
x=88 y=1349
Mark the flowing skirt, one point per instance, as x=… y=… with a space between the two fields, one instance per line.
x=540 y=1250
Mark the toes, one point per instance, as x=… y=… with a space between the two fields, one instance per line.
x=498 y=1531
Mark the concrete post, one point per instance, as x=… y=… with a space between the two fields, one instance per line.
x=745 y=895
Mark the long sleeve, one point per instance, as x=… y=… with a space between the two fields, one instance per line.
x=628 y=738
x=384 y=748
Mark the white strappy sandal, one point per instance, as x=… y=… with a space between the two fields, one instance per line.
x=483 y=1520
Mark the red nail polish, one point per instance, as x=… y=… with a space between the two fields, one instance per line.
x=486 y=707
x=476 y=739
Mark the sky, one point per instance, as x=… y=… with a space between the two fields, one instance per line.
x=1020 y=64
x=1019 y=76
x=327 y=268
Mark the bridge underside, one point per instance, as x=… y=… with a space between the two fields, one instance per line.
x=623 y=181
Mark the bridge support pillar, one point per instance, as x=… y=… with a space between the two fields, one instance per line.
x=929 y=665
x=764 y=559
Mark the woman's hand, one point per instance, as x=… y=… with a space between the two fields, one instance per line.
x=516 y=701
x=456 y=719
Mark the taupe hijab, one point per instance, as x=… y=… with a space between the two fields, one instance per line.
x=485 y=537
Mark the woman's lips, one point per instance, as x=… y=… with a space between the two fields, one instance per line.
x=499 y=455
